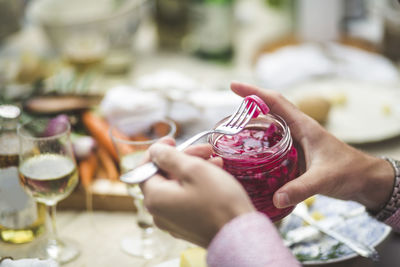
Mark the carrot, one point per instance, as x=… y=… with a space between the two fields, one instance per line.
x=87 y=170
x=108 y=163
x=99 y=129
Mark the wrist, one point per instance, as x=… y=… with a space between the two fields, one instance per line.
x=237 y=211
x=393 y=203
x=378 y=181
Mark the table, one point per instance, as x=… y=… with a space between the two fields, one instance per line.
x=98 y=235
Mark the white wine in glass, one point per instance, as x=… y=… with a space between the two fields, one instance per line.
x=47 y=171
x=49 y=177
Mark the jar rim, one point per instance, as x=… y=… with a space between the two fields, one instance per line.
x=281 y=146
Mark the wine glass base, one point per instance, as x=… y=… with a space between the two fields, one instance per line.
x=62 y=251
x=143 y=248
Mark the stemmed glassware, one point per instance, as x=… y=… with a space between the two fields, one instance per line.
x=132 y=137
x=47 y=171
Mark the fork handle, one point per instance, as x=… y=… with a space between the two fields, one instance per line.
x=144 y=172
x=192 y=139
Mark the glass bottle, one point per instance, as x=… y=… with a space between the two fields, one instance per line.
x=171 y=19
x=21 y=218
x=262 y=158
x=212 y=29
x=391 y=30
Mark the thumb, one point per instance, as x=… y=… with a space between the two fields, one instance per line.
x=298 y=190
x=169 y=159
x=164 y=140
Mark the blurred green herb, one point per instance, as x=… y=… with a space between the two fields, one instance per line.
x=333 y=253
x=307 y=257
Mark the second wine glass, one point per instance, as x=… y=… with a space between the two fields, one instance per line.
x=47 y=171
x=132 y=137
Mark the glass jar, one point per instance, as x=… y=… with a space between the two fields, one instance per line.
x=262 y=158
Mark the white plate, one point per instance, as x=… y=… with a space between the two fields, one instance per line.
x=323 y=249
x=371 y=112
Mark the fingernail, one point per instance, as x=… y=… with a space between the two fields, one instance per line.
x=283 y=200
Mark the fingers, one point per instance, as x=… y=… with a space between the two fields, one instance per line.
x=157 y=183
x=160 y=189
x=164 y=140
x=174 y=162
x=217 y=161
x=203 y=151
x=299 y=189
x=297 y=121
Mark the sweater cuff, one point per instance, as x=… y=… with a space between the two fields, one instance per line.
x=249 y=240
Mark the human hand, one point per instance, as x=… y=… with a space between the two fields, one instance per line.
x=332 y=167
x=194 y=197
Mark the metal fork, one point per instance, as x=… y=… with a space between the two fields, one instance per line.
x=233 y=125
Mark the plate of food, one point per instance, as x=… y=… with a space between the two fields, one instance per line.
x=355 y=112
x=349 y=218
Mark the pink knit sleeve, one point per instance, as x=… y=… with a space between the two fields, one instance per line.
x=394 y=221
x=250 y=240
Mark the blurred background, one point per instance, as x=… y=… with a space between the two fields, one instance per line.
x=337 y=60
x=134 y=37
x=185 y=49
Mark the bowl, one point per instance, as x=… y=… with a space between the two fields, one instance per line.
x=86 y=32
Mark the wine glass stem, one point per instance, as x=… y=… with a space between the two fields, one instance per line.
x=52 y=213
x=144 y=220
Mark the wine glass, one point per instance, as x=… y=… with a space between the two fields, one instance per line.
x=132 y=137
x=47 y=171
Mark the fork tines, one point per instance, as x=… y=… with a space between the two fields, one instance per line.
x=242 y=115
x=253 y=107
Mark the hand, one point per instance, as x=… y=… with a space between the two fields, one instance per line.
x=194 y=197
x=332 y=167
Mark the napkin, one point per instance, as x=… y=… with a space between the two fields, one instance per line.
x=172 y=84
x=297 y=63
x=292 y=64
x=351 y=62
x=176 y=88
x=124 y=102
x=28 y=263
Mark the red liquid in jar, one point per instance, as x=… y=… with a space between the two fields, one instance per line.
x=257 y=160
